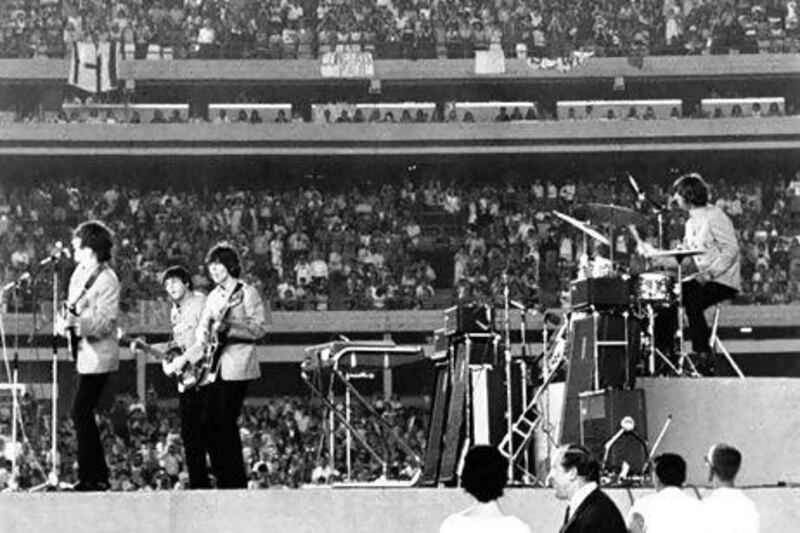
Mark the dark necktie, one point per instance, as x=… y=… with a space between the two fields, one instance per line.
x=566 y=516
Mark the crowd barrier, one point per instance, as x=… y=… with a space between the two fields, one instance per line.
x=531 y=137
x=653 y=67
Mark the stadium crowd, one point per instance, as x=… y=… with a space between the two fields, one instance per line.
x=410 y=245
x=289 y=29
x=283 y=443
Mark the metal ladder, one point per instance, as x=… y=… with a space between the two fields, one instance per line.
x=527 y=422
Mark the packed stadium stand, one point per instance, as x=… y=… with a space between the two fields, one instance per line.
x=165 y=30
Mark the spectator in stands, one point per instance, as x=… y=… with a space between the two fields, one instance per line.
x=502 y=115
x=484 y=477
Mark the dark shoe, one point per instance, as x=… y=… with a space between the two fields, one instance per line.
x=85 y=486
x=704 y=363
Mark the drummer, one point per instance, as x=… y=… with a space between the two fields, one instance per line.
x=710 y=277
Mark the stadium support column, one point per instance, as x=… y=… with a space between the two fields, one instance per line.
x=141 y=372
x=387 y=372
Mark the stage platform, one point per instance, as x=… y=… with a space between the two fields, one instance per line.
x=317 y=510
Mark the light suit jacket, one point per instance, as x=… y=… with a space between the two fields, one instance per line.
x=98 y=311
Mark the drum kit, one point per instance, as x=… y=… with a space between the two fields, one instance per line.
x=650 y=292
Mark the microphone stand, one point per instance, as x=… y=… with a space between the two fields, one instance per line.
x=507 y=364
x=53 y=479
x=659 y=211
x=12 y=375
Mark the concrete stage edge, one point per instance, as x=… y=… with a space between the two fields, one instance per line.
x=320 y=510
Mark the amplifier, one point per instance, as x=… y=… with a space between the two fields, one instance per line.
x=441 y=344
x=484 y=348
x=601 y=413
x=600 y=292
x=467 y=318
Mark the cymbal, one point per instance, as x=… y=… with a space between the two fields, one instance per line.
x=610 y=214
x=588 y=230
x=678 y=254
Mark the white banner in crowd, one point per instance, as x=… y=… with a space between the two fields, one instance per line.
x=94 y=67
x=561 y=64
x=347 y=65
x=491 y=61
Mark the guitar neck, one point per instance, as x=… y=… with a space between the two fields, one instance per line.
x=144 y=347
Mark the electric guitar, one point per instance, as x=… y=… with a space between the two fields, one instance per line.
x=216 y=339
x=71 y=332
x=186 y=377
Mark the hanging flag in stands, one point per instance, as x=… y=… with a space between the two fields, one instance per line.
x=94 y=67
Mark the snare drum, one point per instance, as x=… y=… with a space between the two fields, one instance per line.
x=654 y=288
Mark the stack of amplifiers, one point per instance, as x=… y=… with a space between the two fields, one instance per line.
x=603 y=351
x=469 y=402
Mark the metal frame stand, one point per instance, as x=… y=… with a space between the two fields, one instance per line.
x=53 y=478
x=654 y=351
x=716 y=344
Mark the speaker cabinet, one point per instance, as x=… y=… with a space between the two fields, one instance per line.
x=601 y=414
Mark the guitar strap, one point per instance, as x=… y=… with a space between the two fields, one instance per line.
x=72 y=307
x=223 y=338
x=236 y=289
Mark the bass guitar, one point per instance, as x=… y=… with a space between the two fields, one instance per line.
x=185 y=377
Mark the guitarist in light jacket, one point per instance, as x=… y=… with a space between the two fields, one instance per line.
x=187 y=307
x=235 y=310
x=91 y=317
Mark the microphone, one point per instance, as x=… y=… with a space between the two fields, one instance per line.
x=626 y=425
x=58 y=253
x=518 y=305
x=10 y=285
x=640 y=198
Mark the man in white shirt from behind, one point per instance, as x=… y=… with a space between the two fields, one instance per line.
x=727 y=509
x=670 y=509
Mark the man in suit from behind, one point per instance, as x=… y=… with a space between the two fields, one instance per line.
x=576 y=476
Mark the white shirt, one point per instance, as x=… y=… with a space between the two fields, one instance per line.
x=462 y=523
x=667 y=511
x=580 y=495
x=728 y=510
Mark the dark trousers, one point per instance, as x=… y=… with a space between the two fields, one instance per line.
x=224 y=404
x=192 y=407
x=92 y=468
x=697 y=297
